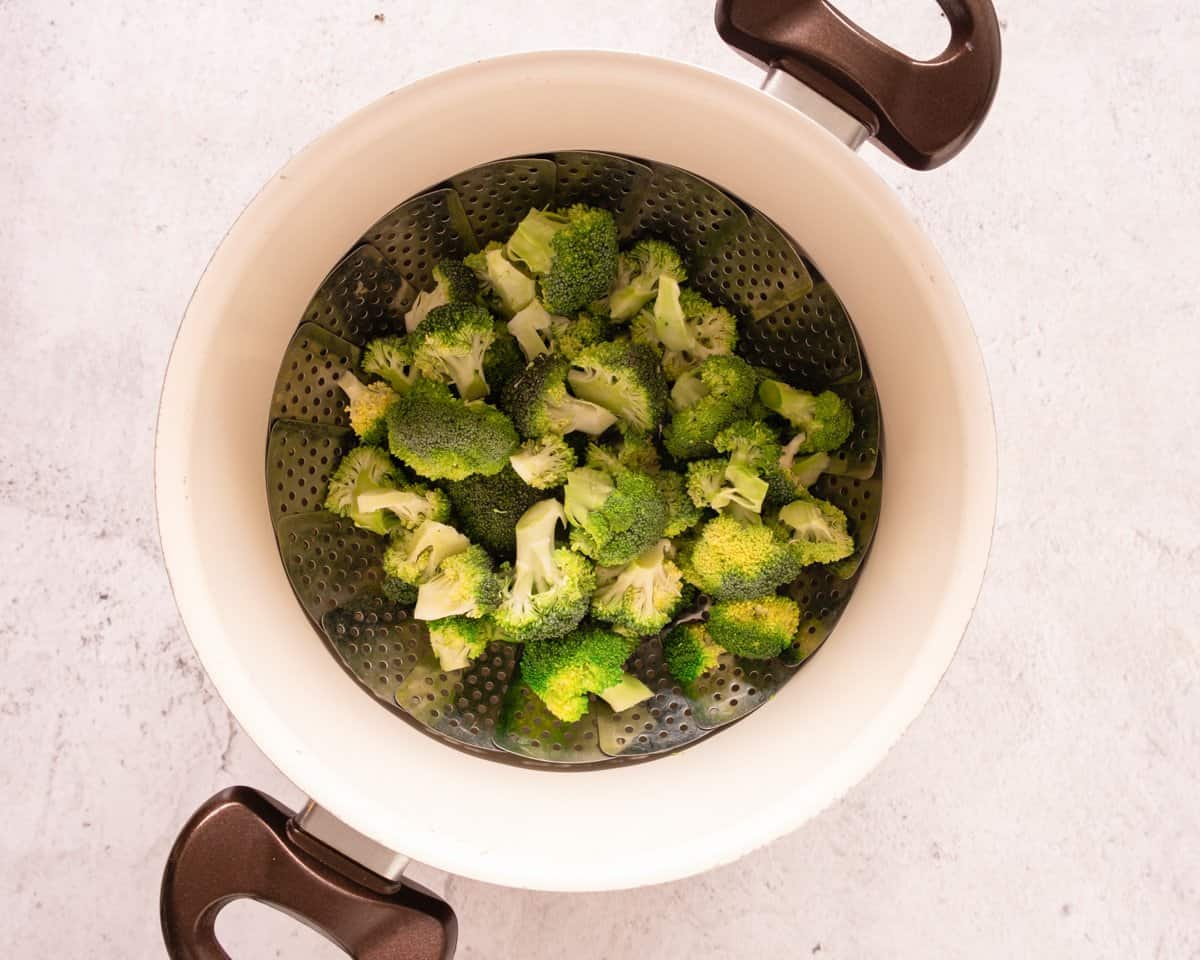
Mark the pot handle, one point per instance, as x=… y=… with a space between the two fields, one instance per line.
x=922 y=111
x=242 y=843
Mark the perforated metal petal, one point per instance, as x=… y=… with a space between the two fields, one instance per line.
x=306 y=385
x=328 y=560
x=735 y=688
x=300 y=459
x=860 y=498
x=377 y=641
x=689 y=212
x=822 y=596
x=362 y=298
x=811 y=341
x=529 y=730
x=603 y=180
x=419 y=232
x=496 y=196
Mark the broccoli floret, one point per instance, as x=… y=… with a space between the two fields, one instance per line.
x=531 y=327
x=413 y=555
x=488 y=508
x=690 y=652
x=758 y=628
x=705 y=401
x=368 y=407
x=544 y=462
x=538 y=401
x=824 y=420
x=412 y=504
x=624 y=378
x=572 y=251
x=456 y=641
x=454 y=281
x=682 y=513
x=614 y=515
x=550 y=587
x=503 y=360
x=731 y=560
x=791 y=477
x=450 y=345
x=563 y=671
x=571 y=336
x=641 y=597
x=685 y=328
x=390 y=359
x=817 y=531
x=510 y=288
x=465 y=585
x=730 y=490
x=442 y=438
x=399 y=591
x=539 y=332
x=634 y=451
x=363 y=470
x=638 y=273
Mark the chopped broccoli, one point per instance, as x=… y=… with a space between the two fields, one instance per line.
x=363 y=470
x=450 y=345
x=540 y=332
x=550 y=587
x=705 y=401
x=544 y=462
x=531 y=327
x=571 y=336
x=824 y=420
x=623 y=378
x=511 y=289
x=685 y=327
x=614 y=515
x=503 y=360
x=412 y=504
x=399 y=591
x=368 y=408
x=390 y=359
x=488 y=508
x=730 y=490
x=758 y=628
x=682 y=513
x=455 y=282
x=442 y=438
x=641 y=597
x=538 y=401
x=634 y=451
x=563 y=671
x=572 y=251
x=464 y=585
x=731 y=560
x=791 y=477
x=638 y=273
x=817 y=531
x=413 y=556
x=690 y=652
x=456 y=641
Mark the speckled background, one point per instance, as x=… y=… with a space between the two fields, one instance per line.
x=1047 y=803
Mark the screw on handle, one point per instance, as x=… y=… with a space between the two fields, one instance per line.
x=922 y=111
x=241 y=844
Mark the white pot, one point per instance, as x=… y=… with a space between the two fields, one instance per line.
x=728 y=794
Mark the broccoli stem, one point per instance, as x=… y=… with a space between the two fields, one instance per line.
x=530 y=327
x=589 y=418
x=536 y=569
x=351 y=386
x=689 y=390
x=467 y=373
x=531 y=241
x=804 y=472
x=403 y=503
x=749 y=489
x=669 y=322
x=627 y=301
x=793 y=405
x=516 y=291
x=628 y=693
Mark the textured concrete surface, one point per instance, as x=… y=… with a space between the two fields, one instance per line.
x=1046 y=802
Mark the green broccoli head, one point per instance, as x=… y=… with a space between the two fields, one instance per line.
x=368 y=407
x=624 y=378
x=506 y=286
x=399 y=591
x=757 y=628
x=563 y=671
x=732 y=560
x=684 y=328
x=390 y=359
x=465 y=585
x=456 y=641
x=824 y=419
x=413 y=556
x=682 y=513
x=817 y=531
x=550 y=587
x=454 y=282
x=488 y=508
x=503 y=360
x=705 y=401
x=634 y=451
x=614 y=515
x=443 y=438
x=544 y=462
x=639 y=598
x=539 y=403
x=690 y=652
x=571 y=336
x=572 y=251
x=450 y=345
x=638 y=273
x=362 y=471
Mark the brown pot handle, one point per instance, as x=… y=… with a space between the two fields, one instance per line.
x=242 y=843
x=923 y=111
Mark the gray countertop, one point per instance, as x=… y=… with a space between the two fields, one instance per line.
x=1044 y=804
